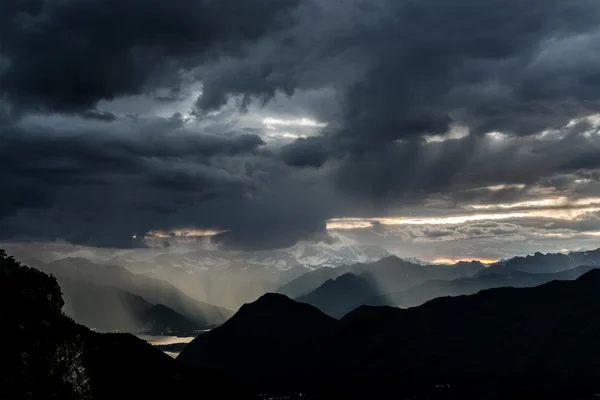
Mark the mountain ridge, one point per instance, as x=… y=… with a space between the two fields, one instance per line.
x=338 y=296
x=273 y=320
x=388 y=275
x=152 y=290
x=517 y=342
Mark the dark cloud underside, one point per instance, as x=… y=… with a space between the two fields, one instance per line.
x=430 y=105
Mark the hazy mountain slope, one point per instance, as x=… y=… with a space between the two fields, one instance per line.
x=405 y=284
x=161 y=320
x=206 y=273
x=389 y=275
x=47 y=355
x=308 y=282
x=230 y=279
x=102 y=307
x=106 y=308
x=539 y=342
x=153 y=290
x=336 y=297
x=439 y=288
x=227 y=288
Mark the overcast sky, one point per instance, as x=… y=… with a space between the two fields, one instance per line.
x=441 y=129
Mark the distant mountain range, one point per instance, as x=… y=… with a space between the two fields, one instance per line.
x=224 y=278
x=390 y=274
x=305 y=255
x=111 y=298
x=399 y=283
x=432 y=289
x=546 y=263
x=537 y=342
x=170 y=295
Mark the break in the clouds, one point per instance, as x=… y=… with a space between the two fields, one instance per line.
x=268 y=122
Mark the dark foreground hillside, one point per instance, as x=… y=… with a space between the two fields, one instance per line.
x=47 y=356
x=541 y=342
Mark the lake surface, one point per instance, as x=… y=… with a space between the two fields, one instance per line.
x=154 y=340
x=164 y=340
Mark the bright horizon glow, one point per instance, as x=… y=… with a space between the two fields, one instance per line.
x=452 y=261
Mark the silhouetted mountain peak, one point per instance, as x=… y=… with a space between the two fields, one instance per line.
x=275 y=311
x=592 y=276
x=271 y=298
x=347 y=279
x=472 y=262
x=272 y=320
x=336 y=297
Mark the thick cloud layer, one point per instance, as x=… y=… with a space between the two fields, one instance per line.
x=68 y=55
x=121 y=118
x=408 y=68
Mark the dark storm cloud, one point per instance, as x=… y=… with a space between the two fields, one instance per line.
x=305 y=152
x=393 y=79
x=42 y=149
x=486 y=195
x=272 y=231
x=478 y=162
x=101 y=184
x=68 y=55
x=586 y=222
x=99 y=115
x=405 y=69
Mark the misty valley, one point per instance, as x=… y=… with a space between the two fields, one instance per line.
x=524 y=327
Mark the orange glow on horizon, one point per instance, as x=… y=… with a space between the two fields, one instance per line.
x=451 y=261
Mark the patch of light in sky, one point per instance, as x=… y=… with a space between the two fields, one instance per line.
x=550 y=202
x=357 y=223
x=291 y=128
x=496 y=188
x=497 y=135
x=193 y=232
x=307 y=122
x=364 y=223
x=456 y=132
